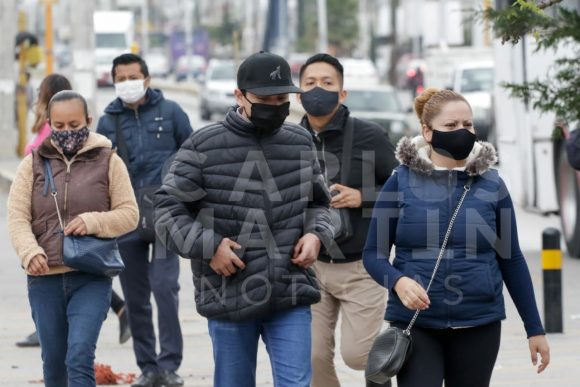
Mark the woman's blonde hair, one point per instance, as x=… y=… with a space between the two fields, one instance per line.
x=430 y=102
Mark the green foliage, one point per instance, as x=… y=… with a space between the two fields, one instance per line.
x=558 y=93
x=342 y=25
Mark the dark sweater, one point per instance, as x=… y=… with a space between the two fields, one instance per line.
x=372 y=163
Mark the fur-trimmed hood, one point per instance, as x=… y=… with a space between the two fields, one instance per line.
x=415 y=153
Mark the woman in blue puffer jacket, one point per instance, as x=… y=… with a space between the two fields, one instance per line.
x=457 y=333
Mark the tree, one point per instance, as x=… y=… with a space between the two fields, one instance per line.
x=561 y=26
x=342 y=25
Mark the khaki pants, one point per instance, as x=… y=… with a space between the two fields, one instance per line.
x=346 y=288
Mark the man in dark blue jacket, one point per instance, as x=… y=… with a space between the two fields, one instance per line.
x=152 y=130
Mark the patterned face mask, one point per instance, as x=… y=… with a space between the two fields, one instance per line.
x=70 y=141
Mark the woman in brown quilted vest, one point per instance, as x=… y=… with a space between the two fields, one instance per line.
x=95 y=198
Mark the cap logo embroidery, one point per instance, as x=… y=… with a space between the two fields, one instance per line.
x=276 y=74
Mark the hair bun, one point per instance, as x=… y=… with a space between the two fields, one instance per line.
x=422 y=99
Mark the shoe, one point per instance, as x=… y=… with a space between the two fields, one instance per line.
x=372 y=384
x=169 y=379
x=124 y=327
x=146 y=379
x=30 y=341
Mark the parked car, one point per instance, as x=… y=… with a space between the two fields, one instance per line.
x=103 y=70
x=475 y=81
x=196 y=65
x=217 y=92
x=158 y=64
x=359 y=72
x=379 y=104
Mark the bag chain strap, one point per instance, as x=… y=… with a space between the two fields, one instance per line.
x=466 y=189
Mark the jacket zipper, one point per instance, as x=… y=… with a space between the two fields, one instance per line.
x=268 y=207
x=140 y=131
x=66 y=181
x=451 y=194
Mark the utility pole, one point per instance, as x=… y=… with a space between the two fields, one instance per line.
x=83 y=45
x=48 y=36
x=322 y=27
x=144 y=27
x=8 y=133
x=188 y=21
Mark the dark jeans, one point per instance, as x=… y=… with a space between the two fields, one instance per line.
x=140 y=278
x=460 y=357
x=68 y=311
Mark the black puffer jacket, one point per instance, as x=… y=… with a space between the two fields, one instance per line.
x=372 y=162
x=264 y=192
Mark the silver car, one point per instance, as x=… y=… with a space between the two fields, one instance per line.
x=379 y=104
x=217 y=92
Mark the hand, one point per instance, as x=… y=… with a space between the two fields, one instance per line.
x=539 y=344
x=412 y=295
x=225 y=262
x=306 y=251
x=346 y=197
x=76 y=227
x=38 y=265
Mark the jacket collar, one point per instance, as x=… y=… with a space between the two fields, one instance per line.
x=415 y=153
x=88 y=152
x=152 y=97
x=236 y=123
x=336 y=124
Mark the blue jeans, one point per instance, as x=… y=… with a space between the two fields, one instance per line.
x=287 y=337
x=68 y=311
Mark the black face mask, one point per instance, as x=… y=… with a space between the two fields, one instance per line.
x=456 y=144
x=267 y=118
x=319 y=102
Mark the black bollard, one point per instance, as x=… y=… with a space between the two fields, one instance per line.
x=552 y=269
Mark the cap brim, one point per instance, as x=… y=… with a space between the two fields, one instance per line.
x=273 y=90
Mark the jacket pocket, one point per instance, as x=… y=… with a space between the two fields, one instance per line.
x=160 y=134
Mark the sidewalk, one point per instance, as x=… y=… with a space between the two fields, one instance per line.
x=20 y=367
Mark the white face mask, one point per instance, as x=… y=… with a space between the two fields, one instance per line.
x=130 y=91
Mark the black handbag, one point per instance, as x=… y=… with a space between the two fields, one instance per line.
x=392 y=347
x=340 y=217
x=85 y=253
x=144 y=196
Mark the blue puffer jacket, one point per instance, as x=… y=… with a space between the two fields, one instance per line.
x=153 y=133
x=413 y=213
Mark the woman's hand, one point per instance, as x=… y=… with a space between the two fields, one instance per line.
x=76 y=227
x=38 y=265
x=539 y=344
x=412 y=295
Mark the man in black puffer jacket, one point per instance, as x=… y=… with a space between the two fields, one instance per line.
x=246 y=202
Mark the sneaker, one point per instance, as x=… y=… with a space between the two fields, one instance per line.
x=30 y=341
x=124 y=327
x=170 y=379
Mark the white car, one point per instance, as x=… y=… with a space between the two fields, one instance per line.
x=217 y=93
x=475 y=81
x=157 y=64
x=359 y=72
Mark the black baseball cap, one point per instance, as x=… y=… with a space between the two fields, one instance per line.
x=265 y=74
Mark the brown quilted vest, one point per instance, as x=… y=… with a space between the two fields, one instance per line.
x=82 y=185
